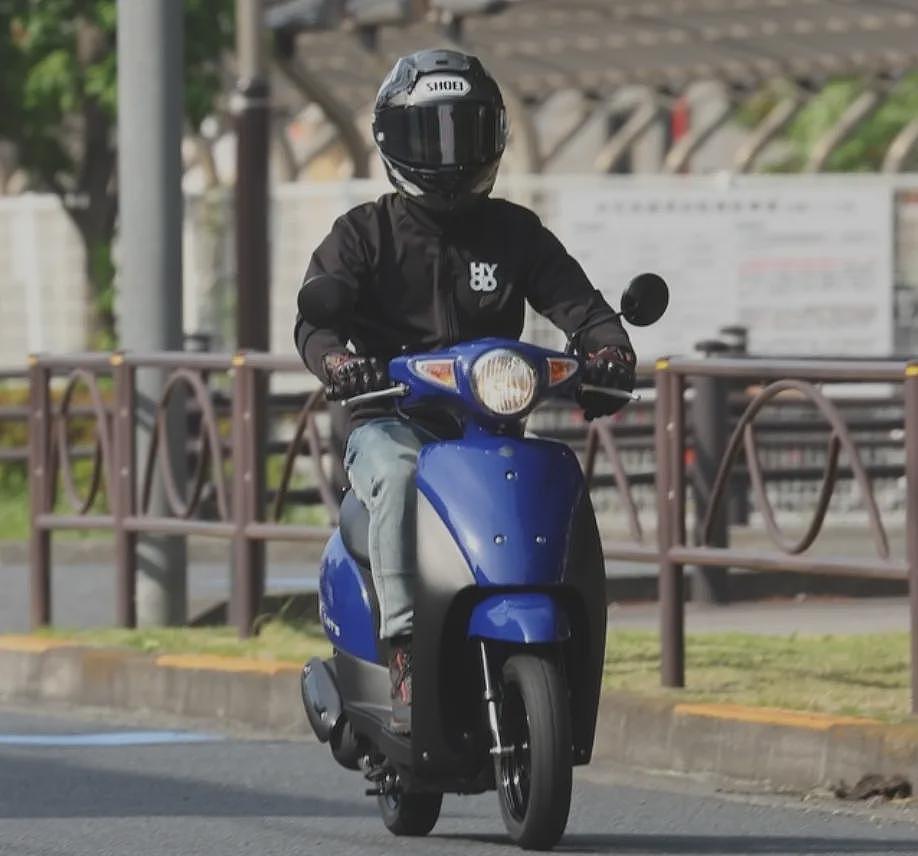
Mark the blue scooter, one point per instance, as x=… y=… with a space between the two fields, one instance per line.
x=510 y=608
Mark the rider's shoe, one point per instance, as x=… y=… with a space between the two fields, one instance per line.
x=400 y=676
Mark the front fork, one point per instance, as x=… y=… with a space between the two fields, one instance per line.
x=490 y=699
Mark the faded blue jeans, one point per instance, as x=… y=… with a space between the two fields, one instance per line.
x=381 y=461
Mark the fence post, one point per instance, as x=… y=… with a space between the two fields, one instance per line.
x=710 y=425
x=911 y=514
x=124 y=501
x=246 y=586
x=670 y=452
x=736 y=338
x=40 y=473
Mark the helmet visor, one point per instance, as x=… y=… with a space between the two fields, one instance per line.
x=442 y=134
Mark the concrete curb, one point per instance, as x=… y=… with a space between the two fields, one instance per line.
x=249 y=692
x=784 y=749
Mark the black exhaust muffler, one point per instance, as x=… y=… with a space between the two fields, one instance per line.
x=321 y=698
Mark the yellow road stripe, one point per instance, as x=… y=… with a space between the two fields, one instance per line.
x=217 y=663
x=770 y=716
x=33 y=644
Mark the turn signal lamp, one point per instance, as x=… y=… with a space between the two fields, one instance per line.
x=561 y=369
x=440 y=372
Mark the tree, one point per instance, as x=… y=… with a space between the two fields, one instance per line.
x=58 y=107
x=864 y=150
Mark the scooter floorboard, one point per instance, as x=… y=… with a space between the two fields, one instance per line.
x=372 y=720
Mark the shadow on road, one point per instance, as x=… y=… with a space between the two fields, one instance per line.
x=41 y=788
x=732 y=844
x=709 y=844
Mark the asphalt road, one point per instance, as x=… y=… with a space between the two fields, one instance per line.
x=79 y=783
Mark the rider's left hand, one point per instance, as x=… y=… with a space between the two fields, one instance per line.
x=612 y=367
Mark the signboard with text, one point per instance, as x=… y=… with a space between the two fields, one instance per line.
x=808 y=270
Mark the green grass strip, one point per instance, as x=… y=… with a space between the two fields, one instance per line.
x=853 y=675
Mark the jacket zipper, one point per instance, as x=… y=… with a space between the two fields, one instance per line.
x=446 y=296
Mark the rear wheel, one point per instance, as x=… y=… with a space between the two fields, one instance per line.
x=534 y=776
x=409 y=814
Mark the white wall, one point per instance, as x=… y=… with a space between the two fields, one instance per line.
x=43 y=294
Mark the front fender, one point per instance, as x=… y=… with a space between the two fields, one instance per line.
x=529 y=618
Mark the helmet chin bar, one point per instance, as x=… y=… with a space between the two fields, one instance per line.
x=436 y=199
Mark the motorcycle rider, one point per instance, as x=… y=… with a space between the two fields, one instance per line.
x=437 y=263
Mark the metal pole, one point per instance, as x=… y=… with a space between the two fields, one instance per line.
x=39 y=494
x=710 y=418
x=736 y=336
x=124 y=502
x=251 y=105
x=911 y=521
x=150 y=120
x=669 y=446
x=246 y=588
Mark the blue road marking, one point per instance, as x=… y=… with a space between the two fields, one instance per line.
x=109 y=738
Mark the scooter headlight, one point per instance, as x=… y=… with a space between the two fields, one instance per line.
x=504 y=382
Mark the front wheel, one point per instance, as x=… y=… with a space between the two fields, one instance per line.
x=534 y=775
x=409 y=814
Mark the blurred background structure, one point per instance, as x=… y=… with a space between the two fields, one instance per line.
x=617 y=87
x=761 y=154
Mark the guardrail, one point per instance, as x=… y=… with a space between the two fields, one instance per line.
x=228 y=471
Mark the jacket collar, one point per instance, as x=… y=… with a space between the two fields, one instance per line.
x=419 y=219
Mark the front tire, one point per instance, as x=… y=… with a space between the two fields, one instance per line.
x=410 y=814
x=534 y=780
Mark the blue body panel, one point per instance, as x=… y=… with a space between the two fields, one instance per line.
x=508 y=502
x=344 y=603
x=529 y=618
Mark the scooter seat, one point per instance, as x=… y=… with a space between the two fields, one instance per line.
x=355 y=528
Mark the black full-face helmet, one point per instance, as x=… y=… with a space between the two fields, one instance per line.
x=440 y=127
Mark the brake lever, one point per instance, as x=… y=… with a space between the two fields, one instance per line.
x=613 y=393
x=398 y=391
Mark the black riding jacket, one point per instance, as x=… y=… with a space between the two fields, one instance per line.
x=423 y=283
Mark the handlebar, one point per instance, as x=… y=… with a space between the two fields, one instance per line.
x=401 y=390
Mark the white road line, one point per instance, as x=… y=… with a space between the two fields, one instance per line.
x=109 y=738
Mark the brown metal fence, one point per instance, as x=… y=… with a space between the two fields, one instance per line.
x=778 y=378
x=229 y=471
x=120 y=486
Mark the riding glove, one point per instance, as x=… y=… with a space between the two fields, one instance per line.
x=612 y=367
x=349 y=375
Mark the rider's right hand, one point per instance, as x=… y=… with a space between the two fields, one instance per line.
x=350 y=375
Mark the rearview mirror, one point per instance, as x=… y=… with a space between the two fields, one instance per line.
x=324 y=300
x=645 y=300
